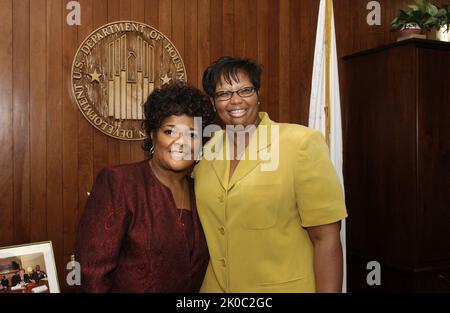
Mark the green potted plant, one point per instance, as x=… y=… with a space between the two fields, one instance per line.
x=421 y=18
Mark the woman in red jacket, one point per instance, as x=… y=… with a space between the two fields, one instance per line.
x=140 y=231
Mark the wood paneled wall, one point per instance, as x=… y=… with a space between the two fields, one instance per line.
x=50 y=154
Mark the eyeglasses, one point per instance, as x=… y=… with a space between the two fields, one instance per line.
x=244 y=92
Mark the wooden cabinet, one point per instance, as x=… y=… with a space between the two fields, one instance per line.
x=396 y=104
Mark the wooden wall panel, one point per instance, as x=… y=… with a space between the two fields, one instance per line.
x=54 y=168
x=151 y=12
x=306 y=57
x=7 y=236
x=165 y=17
x=251 y=31
x=125 y=9
x=70 y=142
x=295 y=66
x=21 y=119
x=272 y=56
x=230 y=26
x=241 y=27
x=178 y=29
x=284 y=62
x=38 y=121
x=204 y=37
x=215 y=27
x=262 y=44
x=191 y=38
x=138 y=10
x=85 y=136
x=51 y=154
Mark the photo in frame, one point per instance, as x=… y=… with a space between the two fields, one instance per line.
x=28 y=268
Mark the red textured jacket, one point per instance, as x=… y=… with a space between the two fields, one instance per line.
x=131 y=240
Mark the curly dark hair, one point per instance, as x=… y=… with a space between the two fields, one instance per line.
x=175 y=98
x=229 y=67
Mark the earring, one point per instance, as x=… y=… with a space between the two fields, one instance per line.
x=152 y=150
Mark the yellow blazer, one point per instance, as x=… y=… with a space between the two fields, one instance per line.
x=254 y=223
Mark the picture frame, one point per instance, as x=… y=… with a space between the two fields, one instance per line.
x=28 y=268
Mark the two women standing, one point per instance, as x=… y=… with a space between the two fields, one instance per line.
x=268 y=229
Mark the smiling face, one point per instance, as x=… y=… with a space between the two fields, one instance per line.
x=175 y=143
x=237 y=110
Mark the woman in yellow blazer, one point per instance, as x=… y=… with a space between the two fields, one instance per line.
x=268 y=197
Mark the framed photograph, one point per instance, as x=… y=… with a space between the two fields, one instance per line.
x=28 y=268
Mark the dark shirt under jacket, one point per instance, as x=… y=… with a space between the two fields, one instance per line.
x=38 y=276
x=5 y=282
x=16 y=279
x=130 y=238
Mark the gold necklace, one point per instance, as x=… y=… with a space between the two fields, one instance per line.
x=182 y=203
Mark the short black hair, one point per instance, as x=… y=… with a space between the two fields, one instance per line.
x=229 y=67
x=175 y=98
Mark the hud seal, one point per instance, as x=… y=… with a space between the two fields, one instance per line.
x=114 y=70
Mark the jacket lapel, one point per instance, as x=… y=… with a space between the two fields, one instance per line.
x=259 y=141
x=220 y=165
x=246 y=164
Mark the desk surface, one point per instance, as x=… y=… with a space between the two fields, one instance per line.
x=28 y=288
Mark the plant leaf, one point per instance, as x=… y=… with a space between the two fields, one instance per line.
x=422 y=4
x=432 y=10
x=432 y=21
x=403 y=15
x=441 y=13
x=416 y=16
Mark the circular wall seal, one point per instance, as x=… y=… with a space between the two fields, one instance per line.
x=115 y=69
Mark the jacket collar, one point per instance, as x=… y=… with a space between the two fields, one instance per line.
x=260 y=140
